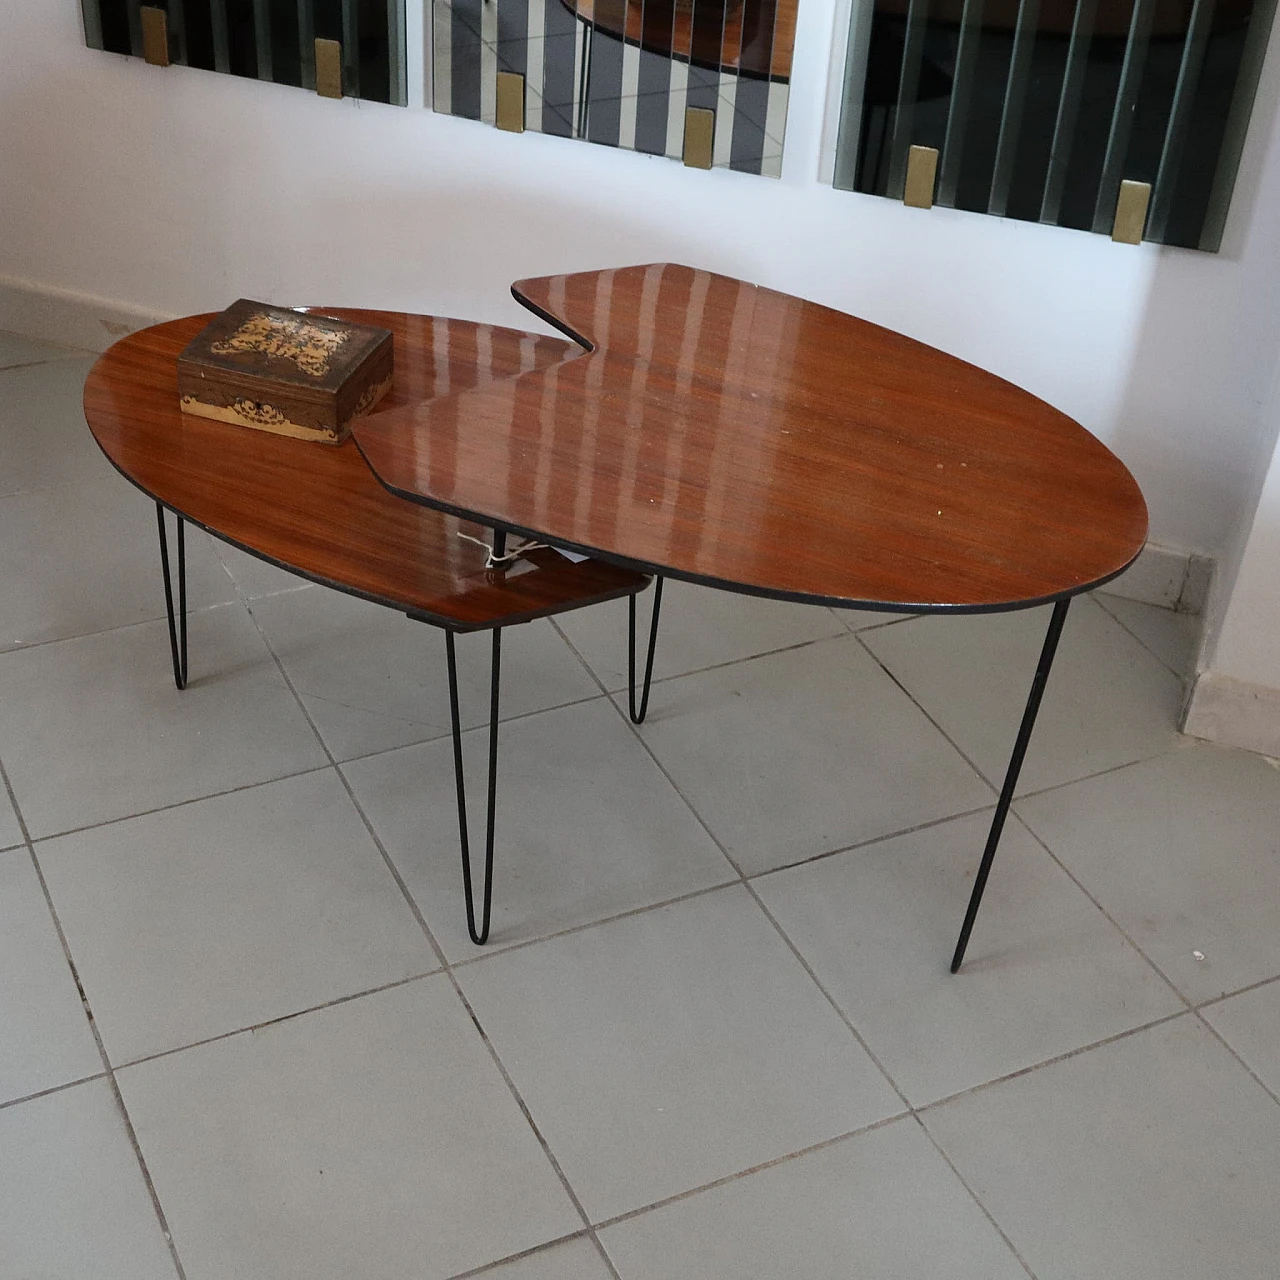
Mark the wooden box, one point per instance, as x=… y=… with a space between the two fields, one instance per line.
x=284 y=371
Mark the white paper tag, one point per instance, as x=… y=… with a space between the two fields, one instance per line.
x=572 y=555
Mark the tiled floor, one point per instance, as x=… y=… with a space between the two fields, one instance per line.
x=243 y=1033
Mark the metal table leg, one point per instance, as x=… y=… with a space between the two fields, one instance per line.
x=637 y=716
x=178 y=628
x=1011 y=775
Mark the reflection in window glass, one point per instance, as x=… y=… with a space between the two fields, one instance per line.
x=268 y=39
x=625 y=72
x=1040 y=109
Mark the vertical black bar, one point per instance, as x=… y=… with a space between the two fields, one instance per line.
x=92 y=19
x=1175 y=134
x=113 y=26
x=286 y=58
x=1011 y=775
x=559 y=58
x=177 y=647
x=1135 y=57
x=638 y=713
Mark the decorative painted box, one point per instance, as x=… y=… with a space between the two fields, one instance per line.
x=284 y=371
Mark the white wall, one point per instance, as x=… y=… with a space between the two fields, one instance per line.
x=170 y=191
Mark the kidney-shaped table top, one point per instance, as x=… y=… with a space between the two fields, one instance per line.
x=316 y=509
x=723 y=433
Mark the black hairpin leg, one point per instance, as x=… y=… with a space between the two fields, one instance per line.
x=584 y=81
x=1011 y=775
x=178 y=628
x=637 y=716
x=481 y=934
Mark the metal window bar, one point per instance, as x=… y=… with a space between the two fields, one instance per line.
x=350 y=49
x=307 y=44
x=221 y=39
x=1015 y=96
x=397 y=52
x=134 y=9
x=958 y=108
x=852 y=106
x=1175 y=136
x=1224 y=177
x=262 y=39
x=1064 y=128
x=908 y=87
x=178 y=29
x=92 y=23
x=1135 y=57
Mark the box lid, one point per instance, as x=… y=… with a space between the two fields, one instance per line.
x=311 y=354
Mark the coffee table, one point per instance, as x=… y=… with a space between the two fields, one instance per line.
x=317 y=510
x=726 y=434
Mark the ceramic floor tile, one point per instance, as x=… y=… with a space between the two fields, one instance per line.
x=10 y=831
x=43 y=437
x=587 y=826
x=1184 y=853
x=93 y=728
x=573 y=1260
x=375 y=1139
x=688 y=1038
x=72 y=1200
x=1173 y=637
x=1108 y=701
x=228 y=912
x=699 y=627
x=45 y=1039
x=881 y=1204
x=373 y=679
x=803 y=752
x=76 y=559
x=1045 y=971
x=1250 y=1024
x=255 y=577
x=1151 y=1157
x=16 y=349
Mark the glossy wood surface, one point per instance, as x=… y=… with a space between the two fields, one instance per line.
x=317 y=509
x=727 y=434
x=751 y=39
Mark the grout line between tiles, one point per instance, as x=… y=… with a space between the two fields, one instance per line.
x=489 y=950
x=445 y=966
x=973 y=1195
x=35 y=364
x=697 y=671
x=926 y=1107
x=915 y=702
x=1239 y=991
x=109 y=1073
x=179 y=804
x=106 y=631
x=746 y=884
x=489 y=1267
x=57 y=1088
x=1124 y=626
x=1115 y=924
x=811 y=1149
x=1230 y=1048
x=276 y=1021
x=1188 y=744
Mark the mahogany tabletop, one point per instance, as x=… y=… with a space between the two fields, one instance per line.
x=316 y=509
x=726 y=434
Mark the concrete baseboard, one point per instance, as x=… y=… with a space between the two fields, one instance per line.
x=1233 y=713
x=73 y=319
x=1177 y=580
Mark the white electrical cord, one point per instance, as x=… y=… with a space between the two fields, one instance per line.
x=501 y=562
